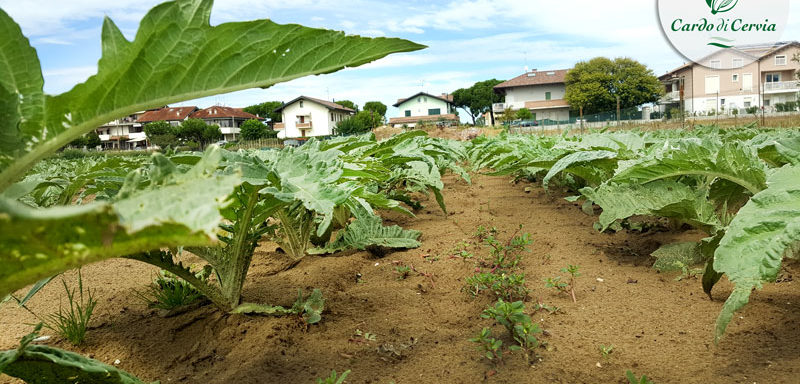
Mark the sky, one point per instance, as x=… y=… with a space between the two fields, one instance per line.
x=468 y=40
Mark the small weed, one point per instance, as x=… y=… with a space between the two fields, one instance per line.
x=402 y=271
x=507 y=255
x=507 y=287
x=632 y=379
x=544 y=307
x=482 y=232
x=519 y=326
x=492 y=348
x=334 y=378
x=366 y=336
x=168 y=291
x=606 y=350
x=561 y=286
x=72 y=323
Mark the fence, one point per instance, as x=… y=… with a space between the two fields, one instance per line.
x=255 y=144
x=636 y=117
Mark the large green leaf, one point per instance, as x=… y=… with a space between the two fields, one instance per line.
x=171 y=209
x=176 y=55
x=40 y=364
x=577 y=158
x=732 y=161
x=663 y=198
x=369 y=232
x=753 y=247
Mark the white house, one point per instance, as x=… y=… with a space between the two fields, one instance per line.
x=123 y=133
x=542 y=92
x=306 y=117
x=426 y=108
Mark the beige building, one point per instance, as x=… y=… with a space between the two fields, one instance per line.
x=768 y=80
x=542 y=92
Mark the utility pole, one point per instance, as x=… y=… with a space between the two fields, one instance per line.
x=581 y=116
x=681 y=88
x=718 y=109
x=618 y=114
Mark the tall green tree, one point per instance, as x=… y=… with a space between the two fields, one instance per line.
x=524 y=114
x=596 y=84
x=266 y=110
x=369 y=119
x=93 y=140
x=348 y=104
x=191 y=130
x=211 y=133
x=253 y=130
x=477 y=99
x=377 y=107
x=161 y=134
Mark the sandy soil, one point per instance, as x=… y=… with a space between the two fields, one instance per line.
x=658 y=326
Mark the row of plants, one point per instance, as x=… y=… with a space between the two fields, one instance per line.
x=739 y=186
x=59 y=215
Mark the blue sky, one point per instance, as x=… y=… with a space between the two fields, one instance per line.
x=468 y=41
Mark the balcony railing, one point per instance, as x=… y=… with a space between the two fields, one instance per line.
x=280 y=125
x=781 y=86
x=303 y=125
x=672 y=96
x=498 y=107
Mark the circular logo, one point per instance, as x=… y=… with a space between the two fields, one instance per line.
x=700 y=28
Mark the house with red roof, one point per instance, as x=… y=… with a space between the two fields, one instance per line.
x=542 y=92
x=228 y=119
x=307 y=116
x=173 y=115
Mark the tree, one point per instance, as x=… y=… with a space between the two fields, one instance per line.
x=211 y=133
x=266 y=110
x=348 y=104
x=596 y=84
x=253 y=130
x=93 y=140
x=477 y=99
x=191 y=130
x=161 y=134
x=377 y=107
x=524 y=114
x=80 y=142
x=351 y=126
x=369 y=119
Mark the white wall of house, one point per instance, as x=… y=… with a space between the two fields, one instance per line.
x=421 y=105
x=517 y=96
x=558 y=114
x=317 y=114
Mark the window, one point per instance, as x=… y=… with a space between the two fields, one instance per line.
x=419 y=99
x=408 y=113
x=333 y=118
x=547 y=95
x=773 y=77
x=747 y=82
x=712 y=84
x=735 y=78
x=434 y=111
x=301 y=103
x=780 y=60
x=426 y=99
x=766 y=102
x=738 y=63
x=715 y=64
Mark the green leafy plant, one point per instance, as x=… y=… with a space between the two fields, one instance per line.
x=606 y=350
x=402 y=271
x=168 y=291
x=334 y=378
x=562 y=286
x=506 y=255
x=491 y=348
x=40 y=364
x=70 y=323
x=177 y=211
x=632 y=379
x=366 y=335
x=508 y=287
x=308 y=308
x=519 y=326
